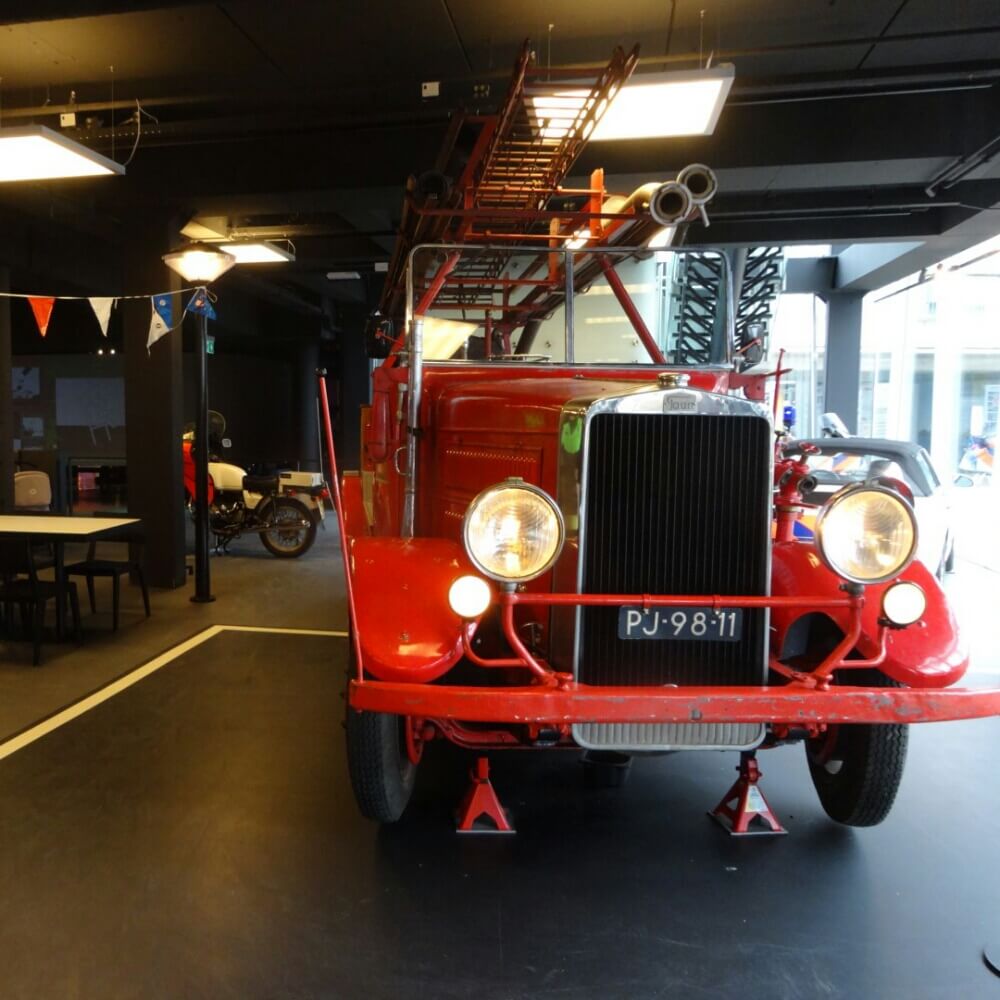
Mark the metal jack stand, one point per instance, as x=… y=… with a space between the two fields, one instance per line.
x=481 y=802
x=750 y=804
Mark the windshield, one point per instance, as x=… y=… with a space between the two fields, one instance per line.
x=613 y=307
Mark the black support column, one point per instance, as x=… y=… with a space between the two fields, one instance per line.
x=354 y=384
x=843 y=356
x=154 y=399
x=308 y=422
x=6 y=402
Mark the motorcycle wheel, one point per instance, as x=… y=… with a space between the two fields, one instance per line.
x=293 y=541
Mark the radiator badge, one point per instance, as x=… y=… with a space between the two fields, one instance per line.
x=679 y=401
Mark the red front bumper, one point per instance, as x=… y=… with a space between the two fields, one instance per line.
x=575 y=703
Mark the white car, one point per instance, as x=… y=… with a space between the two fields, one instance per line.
x=843 y=461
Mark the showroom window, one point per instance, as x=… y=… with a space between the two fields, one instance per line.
x=930 y=367
x=799 y=328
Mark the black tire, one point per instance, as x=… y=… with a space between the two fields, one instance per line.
x=857 y=769
x=605 y=768
x=382 y=775
x=289 y=544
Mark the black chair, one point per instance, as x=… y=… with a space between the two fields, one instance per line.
x=92 y=567
x=21 y=588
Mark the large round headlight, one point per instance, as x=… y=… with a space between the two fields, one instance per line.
x=866 y=534
x=513 y=531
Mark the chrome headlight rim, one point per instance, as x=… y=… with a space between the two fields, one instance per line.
x=831 y=505
x=513 y=482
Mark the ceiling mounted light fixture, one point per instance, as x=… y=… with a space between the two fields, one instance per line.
x=36 y=153
x=342 y=276
x=199 y=263
x=653 y=105
x=257 y=252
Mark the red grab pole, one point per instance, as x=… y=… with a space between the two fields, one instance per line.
x=339 y=507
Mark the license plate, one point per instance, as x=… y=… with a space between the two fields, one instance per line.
x=699 y=624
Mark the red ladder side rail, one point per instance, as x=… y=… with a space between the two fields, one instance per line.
x=341 y=527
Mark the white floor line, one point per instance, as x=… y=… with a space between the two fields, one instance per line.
x=77 y=709
x=284 y=631
x=74 y=711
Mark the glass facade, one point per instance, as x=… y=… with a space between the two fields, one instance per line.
x=930 y=361
x=799 y=329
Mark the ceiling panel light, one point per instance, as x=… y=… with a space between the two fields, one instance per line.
x=259 y=252
x=654 y=105
x=665 y=104
x=342 y=276
x=35 y=153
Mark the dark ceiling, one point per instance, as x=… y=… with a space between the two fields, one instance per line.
x=305 y=117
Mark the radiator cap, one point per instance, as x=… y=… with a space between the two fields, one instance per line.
x=673 y=380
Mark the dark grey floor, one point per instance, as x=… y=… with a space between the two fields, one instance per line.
x=195 y=837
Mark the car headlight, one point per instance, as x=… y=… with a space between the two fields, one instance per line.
x=469 y=596
x=903 y=603
x=513 y=531
x=866 y=534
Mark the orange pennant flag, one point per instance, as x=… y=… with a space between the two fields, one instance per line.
x=42 y=308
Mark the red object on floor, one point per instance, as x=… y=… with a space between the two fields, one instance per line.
x=481 y=802
x=750 y=804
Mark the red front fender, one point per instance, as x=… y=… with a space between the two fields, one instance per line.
x=927 y=654
x=407 y=628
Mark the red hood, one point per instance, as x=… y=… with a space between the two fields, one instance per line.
x=511 y=400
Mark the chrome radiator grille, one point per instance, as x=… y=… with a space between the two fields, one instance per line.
x=675 y=504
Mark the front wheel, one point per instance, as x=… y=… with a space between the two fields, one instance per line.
x=382 y=771
x=857 y=769
x=294 y=531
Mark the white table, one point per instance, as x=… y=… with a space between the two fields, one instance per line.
x=58 y=529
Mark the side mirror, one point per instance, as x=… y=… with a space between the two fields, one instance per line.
x=964 y=481
x=750 y=354
x=226 y=443
x=379 y=337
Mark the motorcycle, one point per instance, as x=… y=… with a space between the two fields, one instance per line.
x=284 y=509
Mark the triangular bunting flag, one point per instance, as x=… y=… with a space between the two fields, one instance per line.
x=162 y=320
x=102 y=310
x=199 y=303
x=42 y=308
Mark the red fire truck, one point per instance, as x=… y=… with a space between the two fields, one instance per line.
x=573 y=524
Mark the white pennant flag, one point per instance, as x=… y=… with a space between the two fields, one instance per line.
x=160 y=321
x=102 y=310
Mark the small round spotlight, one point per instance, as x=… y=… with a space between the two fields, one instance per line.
x=903 y=603
x=469 y=596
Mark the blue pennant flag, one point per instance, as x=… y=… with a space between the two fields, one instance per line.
x=199 y=303
x=161 y=321
x=164 y=305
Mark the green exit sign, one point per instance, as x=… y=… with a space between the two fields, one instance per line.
x=210 y=344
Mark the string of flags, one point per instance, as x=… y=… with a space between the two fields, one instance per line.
x=161 y=320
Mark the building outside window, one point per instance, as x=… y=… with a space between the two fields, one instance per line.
x=930 y=361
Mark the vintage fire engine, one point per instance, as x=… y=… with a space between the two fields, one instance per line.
x=573 y=521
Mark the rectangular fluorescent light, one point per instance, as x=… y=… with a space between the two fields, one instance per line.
x=654 y=105
x=667 y=104
x=259 y=252
x=36 y=153
x=342 y=276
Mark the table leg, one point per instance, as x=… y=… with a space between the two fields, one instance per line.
x=60 y=569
